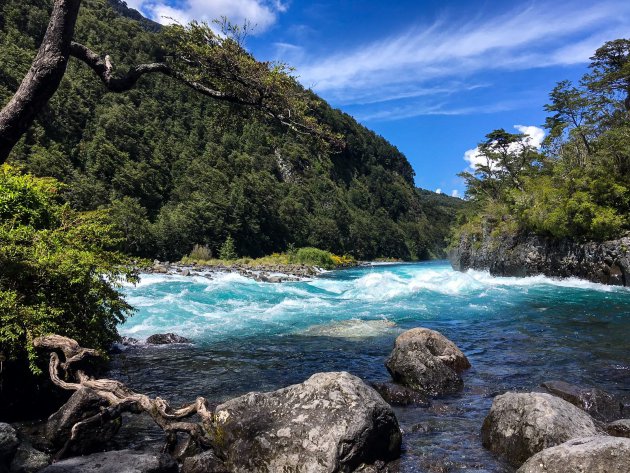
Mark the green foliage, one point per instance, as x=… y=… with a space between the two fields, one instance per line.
x=314 y=257
x=200 y=253
x=580 y=187
x=228 y=250
x=58 y=274
x=180 y=169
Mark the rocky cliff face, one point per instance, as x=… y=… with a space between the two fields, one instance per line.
x=527 y=255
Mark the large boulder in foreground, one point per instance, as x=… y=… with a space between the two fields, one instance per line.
x=599 y=404
x=121 y=461
x=333 y=422
x=427 y=361
x=520 y=425
x=600 y=454
x=84 y=403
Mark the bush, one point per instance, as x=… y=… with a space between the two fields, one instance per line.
x=200 y=253
x=58 y=272
x=314 y=257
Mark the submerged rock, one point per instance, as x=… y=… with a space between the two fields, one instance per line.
x=333 y=422
x=166 y=339
x=398 y=395
x=427 y=361
x=8 y=443
x=522 y=424
x=599 y=404
x=601 y=454
x=121 y=461
x=619 y=428
x=83 y=404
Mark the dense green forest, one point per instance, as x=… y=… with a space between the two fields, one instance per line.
x=578 y=185
x=178 y=169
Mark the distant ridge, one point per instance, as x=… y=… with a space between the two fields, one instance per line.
x=121 y=7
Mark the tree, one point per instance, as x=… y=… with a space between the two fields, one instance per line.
x=611 y=70
x=215 y=65
x=507 y=156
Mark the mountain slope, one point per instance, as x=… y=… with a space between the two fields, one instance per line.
x=179 y=169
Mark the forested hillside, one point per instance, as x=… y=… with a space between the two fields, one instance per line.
x=179 y=169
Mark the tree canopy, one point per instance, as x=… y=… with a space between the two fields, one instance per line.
x=578 y=185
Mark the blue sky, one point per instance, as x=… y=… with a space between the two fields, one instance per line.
x=432 y=77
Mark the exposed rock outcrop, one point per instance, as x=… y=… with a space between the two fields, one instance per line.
x=599 y=404
x=127 y=461
x=520 y=255
x=601 y=454
x=333 y=422
x=427 y=361
x=520 y=425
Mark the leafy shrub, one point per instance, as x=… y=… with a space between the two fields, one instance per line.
x=58 y=272
x=314 y=257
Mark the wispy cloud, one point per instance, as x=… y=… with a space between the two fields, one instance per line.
x=424 y=57
x=261 y=13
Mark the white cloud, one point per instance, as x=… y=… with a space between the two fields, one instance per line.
x=454 y=193
x=534 y=137
x=438 y=191
x=260 y=13
x=425 y=57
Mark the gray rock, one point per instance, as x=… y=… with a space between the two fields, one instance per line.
x=121 y=461
x=619 y=428
x=29 y=460
x=333 y=422
x=83 y=404
x=166 y=339
x=522 y=424
x=398 y=395
x=206 y=462
x=601 y=454
x=427 y=361
x=8 y=443
x=527 y=255
x=599 y=404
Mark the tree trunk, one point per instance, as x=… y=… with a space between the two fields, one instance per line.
x=42 y=79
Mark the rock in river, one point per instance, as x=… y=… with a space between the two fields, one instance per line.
x=398 y=395
x=333 y=422
x=522 y=424
x=427 y=361
x=599 y=454
x=121 y=461
x=166 y=339
x=599 y=404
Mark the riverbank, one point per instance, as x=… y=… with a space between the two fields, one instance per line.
x=530 y=255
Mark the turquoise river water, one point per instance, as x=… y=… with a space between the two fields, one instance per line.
x=516 y=332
